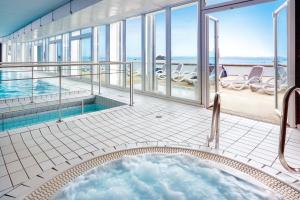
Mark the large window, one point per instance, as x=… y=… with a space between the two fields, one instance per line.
x=116 y=76
x=102 y=43
x=214 y=2
x=86 y=46
x=55 y=49
x=156 y=52
x=134 y=49
x=38 y=51
x=81 y=50
x=102 y=52
x=184 y=67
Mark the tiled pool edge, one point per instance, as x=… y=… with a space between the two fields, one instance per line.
x=36 y=189
x=109 y=103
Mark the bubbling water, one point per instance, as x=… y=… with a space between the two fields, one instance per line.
x=161 y=177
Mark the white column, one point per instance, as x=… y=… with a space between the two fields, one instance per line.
x=168 y=50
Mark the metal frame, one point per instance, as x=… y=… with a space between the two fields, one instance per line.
x=275 y=17
x=215 y=123
x=143 y=53
x=208 y=18
x=283 y=131
x=168 y=50
x=60 y=75
x=231 y=4
x=107 y=46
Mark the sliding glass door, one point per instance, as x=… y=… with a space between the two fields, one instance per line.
x=184 y=68
x=280 y=83
x=134 y=50
x=75 y=56
x=212 y=58
x=155 y=69
x=115 y=71
x=102 y=53
x=81 y=50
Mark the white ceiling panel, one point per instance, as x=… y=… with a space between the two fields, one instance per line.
x=103 y=12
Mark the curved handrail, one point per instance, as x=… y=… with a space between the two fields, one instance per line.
x=283 y=125
x=215 y=122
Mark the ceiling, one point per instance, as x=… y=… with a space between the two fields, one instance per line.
x=103 y=12
x=15 y=14
x=87 y=13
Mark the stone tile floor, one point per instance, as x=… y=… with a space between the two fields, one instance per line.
x=33 y=154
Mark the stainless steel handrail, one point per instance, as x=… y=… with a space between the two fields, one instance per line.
x=24 y=65
x=283 y=125
x=131 y=84
x=215 y=122
x=60 y=65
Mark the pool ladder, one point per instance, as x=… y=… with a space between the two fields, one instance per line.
x=215 y=122
x=283 y=127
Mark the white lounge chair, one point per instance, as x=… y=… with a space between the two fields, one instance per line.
x=242 y=82
x=176 y=74
x=269 y=86
x=190 y=77
x=161 y=73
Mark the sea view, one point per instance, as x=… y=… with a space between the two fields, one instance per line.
x=223 y=60
x=269 y=71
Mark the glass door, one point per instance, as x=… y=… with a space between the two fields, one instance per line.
x=40 y=53
x=75 y=57
x=59 y=56
x=86 y=55
x=279 y=85
x=212 y=58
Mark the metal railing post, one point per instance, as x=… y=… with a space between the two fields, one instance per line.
x=82 y=106
x=32 y=84
x=131 y=84
x=59 y=106
x=99 y=84
x=215 y=123
x=92 y=80
x=283 y=125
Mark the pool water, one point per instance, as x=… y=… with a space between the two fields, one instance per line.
x=23 y=88
x=161 y=177
x=27 y=120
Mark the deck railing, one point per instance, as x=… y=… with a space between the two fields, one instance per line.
x=50 y=70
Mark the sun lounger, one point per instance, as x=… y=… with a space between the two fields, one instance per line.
x=176 y=74
x=190 y=77
x=242 y=82
x=269 y=86
x=161 y=73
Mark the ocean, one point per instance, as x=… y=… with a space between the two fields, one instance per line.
x=269 y=71
x=223 y=60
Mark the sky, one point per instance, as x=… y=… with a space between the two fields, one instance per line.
x=244 y=32
x=248 y=31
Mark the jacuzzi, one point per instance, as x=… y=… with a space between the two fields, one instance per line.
x=164 y=173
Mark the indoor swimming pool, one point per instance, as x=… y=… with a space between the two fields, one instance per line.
x=37 y=118
x=23 y=88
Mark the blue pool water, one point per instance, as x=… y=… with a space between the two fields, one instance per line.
x=27 y=120
x=22 y=88
x=161 y=177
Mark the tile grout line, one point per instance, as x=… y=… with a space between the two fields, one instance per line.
x=6 y=167
x=41 y=148
x=31 y=152
x=18 y=156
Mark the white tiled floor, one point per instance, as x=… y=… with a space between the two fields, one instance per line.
x=29 y=153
